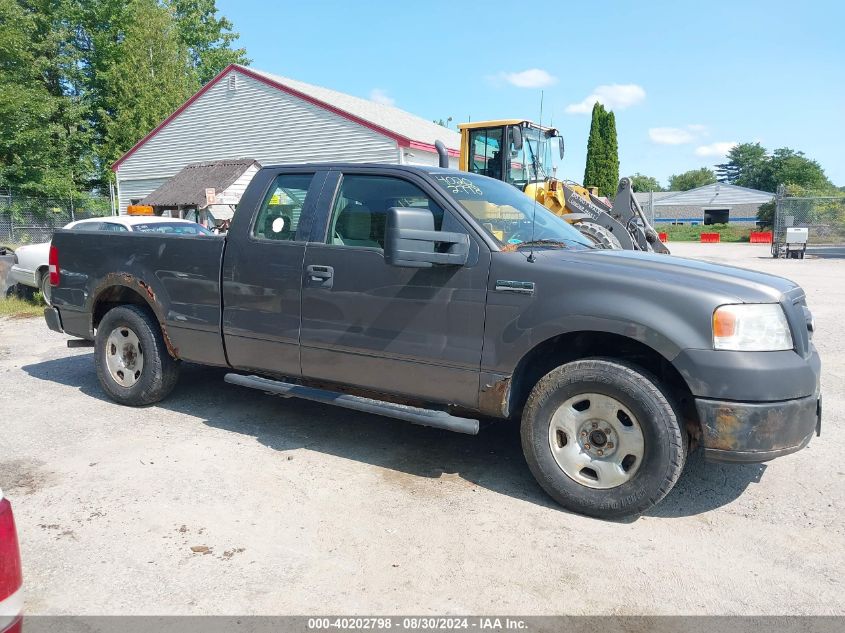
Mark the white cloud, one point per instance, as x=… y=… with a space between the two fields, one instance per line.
x=531 y=78
x=676 y=135
x=720 y=148
x=670 y=135
x=614 y=96
x=380 y=96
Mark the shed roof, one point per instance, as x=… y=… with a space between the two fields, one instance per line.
x=187 y=188
x=407 y=129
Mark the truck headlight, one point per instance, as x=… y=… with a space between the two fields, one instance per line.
x=751 y=327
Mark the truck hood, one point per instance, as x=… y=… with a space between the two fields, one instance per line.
x=745 y=286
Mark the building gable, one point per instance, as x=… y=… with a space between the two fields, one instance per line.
x=247 y=117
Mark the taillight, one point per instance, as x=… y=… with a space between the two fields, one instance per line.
x=11 y=578
x=53 y=261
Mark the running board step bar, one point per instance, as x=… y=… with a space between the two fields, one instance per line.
x=414 y=415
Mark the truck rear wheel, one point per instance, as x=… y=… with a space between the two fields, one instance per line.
x=132 y=362
x=602 y=438
x=598 y=235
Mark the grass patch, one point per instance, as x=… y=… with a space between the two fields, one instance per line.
x=692 y=232
x=18 y=308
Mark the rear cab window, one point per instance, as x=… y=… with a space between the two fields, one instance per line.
x=279 y=216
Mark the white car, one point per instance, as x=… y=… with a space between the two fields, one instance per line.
x=31 y=267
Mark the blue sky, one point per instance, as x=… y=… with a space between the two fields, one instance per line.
x=685 y=79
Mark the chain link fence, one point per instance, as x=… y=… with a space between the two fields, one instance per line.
x=25 y=220
x=647 y=206
x=822 y=216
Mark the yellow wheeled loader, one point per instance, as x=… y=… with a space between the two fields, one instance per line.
x=520 y=152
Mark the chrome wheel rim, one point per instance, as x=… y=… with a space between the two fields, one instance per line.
x=46 y=289
x=124 y=356
x=596 y=441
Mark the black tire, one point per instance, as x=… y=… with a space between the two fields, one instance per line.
x=160 y=371
x=665 y=442
x=599 y=235
x=45 y=287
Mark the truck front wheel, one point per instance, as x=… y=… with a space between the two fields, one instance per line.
x=602 y=438
x=132 y=362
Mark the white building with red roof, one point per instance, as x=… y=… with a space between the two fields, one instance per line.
x=275 y=120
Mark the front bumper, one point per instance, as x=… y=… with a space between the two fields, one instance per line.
x=759 y=431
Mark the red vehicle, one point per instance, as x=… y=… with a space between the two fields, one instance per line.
x=11 y=579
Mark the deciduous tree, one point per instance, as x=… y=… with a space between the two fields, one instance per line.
x=645 y=183
x=749 y=165
x=207 y=37
x=147 y=81
x=744 y=166
x=691 y=179
x=44 y=132
x=82 y=80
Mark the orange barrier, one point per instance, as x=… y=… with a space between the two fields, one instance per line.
x=710 y=238
x=761 y=237
x=663 y=237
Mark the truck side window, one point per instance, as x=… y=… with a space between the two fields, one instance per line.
x=360 y=209
x=279 y=215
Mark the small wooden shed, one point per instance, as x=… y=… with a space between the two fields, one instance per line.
x=204 y=192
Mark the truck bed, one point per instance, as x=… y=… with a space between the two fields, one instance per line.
x=179 y=274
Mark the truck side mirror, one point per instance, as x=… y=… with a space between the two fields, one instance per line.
x=516 y=137
x=410 y=238
x=560 y=146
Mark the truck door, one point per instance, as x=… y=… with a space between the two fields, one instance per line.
x=262 y=271
x=412 y=331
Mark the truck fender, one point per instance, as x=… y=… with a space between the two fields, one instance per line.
x=112 y=289
x=502 y=392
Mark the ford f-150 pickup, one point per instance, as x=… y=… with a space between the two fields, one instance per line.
x=441 y=297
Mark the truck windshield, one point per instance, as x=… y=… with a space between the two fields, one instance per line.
x=507 y=214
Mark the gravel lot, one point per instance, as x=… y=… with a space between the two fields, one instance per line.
x=224 y=500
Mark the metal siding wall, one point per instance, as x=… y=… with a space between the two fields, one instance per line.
x=254 y=121
x=130 y=189
x=238 y=187
x=421 y=157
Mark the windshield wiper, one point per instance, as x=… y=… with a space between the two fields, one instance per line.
x=561 y=243
x=558 y=243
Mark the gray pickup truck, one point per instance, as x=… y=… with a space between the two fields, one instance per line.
x=441 y=298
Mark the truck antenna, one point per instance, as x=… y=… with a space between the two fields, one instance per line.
x=531 y=258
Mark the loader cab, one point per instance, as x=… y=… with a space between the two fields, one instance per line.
x=514 y=151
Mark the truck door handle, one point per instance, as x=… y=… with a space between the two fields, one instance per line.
x=319 y=276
